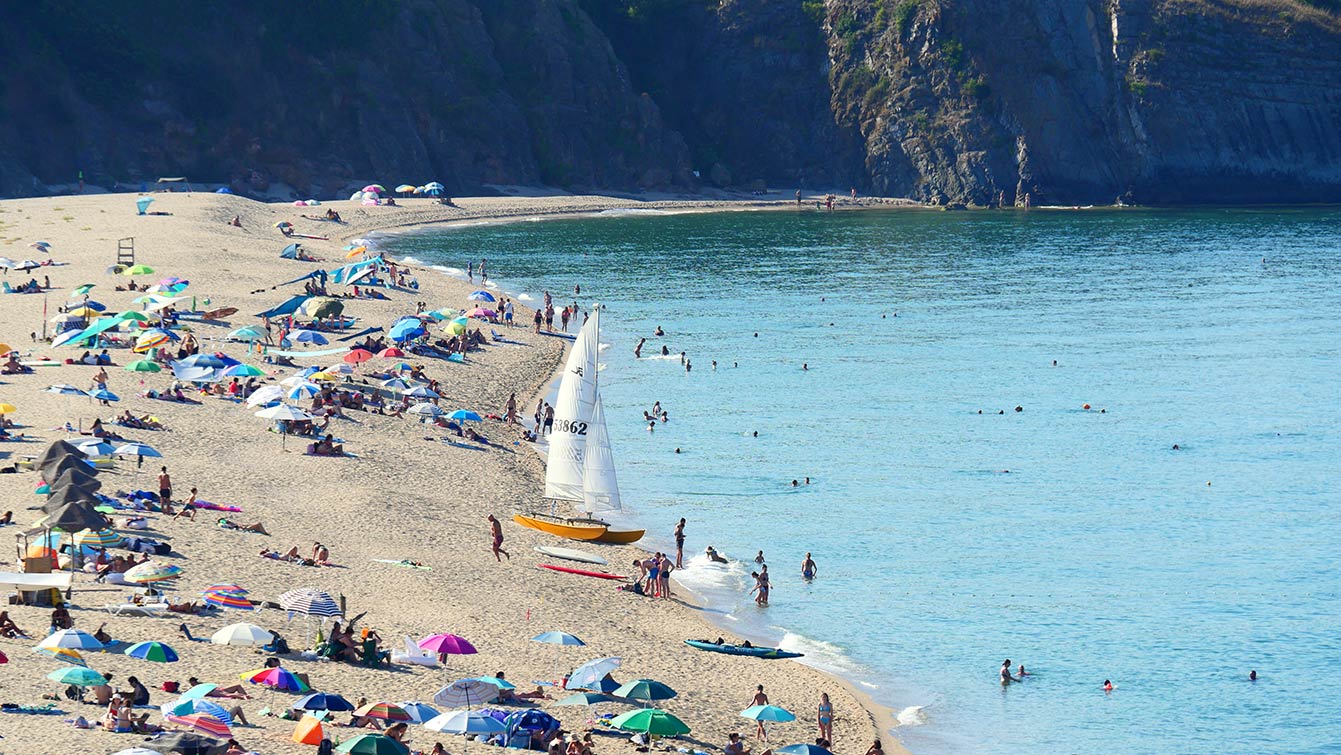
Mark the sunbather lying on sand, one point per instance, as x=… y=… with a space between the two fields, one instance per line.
x=229 y=524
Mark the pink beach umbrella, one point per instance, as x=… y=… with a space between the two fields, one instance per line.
x=447 y=644
x=481 y=312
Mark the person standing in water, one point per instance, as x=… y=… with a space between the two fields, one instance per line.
x=808 y=568
x=679 y=541
x=496 y=529
x=1006 y=678
x=638 y=350
x=470 y=270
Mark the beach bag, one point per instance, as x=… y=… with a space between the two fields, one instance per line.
x=170 y=687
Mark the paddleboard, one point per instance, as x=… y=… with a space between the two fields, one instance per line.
x=583 y=572
x=569 y=554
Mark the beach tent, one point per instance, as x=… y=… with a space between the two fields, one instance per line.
x=288 y=307
x=290 y=252
x=142 y=204
x=223 y=190
x=171 y=182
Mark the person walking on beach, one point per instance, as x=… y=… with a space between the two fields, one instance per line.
x=824 y=717
x=512 y=409
x=549 y=419
x=497 y=531
x=470 y=270
x=759 y=699
x=164 y=487
x=679 y=544
x=539 y=318
x=507 y=312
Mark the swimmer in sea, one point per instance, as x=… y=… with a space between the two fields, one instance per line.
x=795 y=483
x=658 y=331
x=1022 y=673
x=638 y=350
x=1006 y=678
x=1108 y=686
x=759 y=559
x=805 y=367
x=1252 y=676
x=714 y=365
x=665 y=350
x=808 y=568
x=714 y=556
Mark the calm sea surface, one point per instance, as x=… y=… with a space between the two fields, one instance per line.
x=1103 y=553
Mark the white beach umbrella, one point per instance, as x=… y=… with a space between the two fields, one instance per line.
x=64 y=389
x=465 y=722
x=265 y=395
x=426 y=409
x=242 y=635
x=465 y=692
x=421 y=391
x=285 y=412
x=73 y=639
x=95 y=447
x=136 y=449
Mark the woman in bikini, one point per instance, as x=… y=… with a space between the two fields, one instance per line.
x=825 y=718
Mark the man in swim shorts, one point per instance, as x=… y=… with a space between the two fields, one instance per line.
x=808 y=568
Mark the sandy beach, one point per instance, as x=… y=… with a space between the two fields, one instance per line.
x=403 y=494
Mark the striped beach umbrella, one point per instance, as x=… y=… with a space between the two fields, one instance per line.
x=185 y=706
x=228 y=600
x=73 y=639
x=78 y=676
x=203 y=723
x=227 y=587
x=243 y=370
x=152 y=651
x=384 y=711
x=98 y=538
x=69 y=655
x=152 y=571
x=310 y=602
x=277 y=678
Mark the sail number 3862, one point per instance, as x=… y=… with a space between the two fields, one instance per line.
x=570 y=426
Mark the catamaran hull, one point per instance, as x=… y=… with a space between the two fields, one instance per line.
x=561 y=528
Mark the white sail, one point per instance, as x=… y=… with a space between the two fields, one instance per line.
x=572 y=416
x=600 y=488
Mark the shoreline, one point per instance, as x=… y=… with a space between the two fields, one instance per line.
x=384 y=502
x=882 y=718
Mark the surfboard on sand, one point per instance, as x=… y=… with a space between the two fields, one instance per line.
x=583 y=572
x=570 y=554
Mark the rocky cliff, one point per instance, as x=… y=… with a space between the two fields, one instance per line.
x=967 y=101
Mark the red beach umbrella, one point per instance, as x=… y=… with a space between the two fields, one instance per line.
x=358 y=356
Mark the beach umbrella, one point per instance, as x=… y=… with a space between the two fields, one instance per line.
x=243 y=370
x=421 y=391
x=230 y=587
x=142 y=204
x=152 y=651
x=297 y=379
x=339 y=368
x=586 y=698
x=406 y=329
x=531 y=720
x=501 y=684
x=372 y=744
x=75 y=516
x=185 y=706
x=464 y=693
x=419 y=712
x=650 y=721
x=27 y=265
x=152 y=571
x=323 y=701
x=323 y=308
x=390 y=352
x=73 y=476
x=73 y=639
x=284 y=412
x=465 y=415
x=131 y=315
x=64 y=389
x=309 y=602
x=355 y=251
x=482 y=296
x=308 y=731
x=405 y=188
x=375 y=188
x=198 y=691
x=383 y=711
x=97 y=539
x=54 y=453
x=457 y=326
x=142 y=365
x=644 y=689
x=426 y=410
x=303 y=390
x=447 y=644
x=188 y=743
x=200 y=360
x=83 y=312
x=203 y=723
x=102 y=394
x=307 y=336
x=228 y=600
x=136 y=449
x=465 y=722
x=277 y=678
x=96 y=447
x=242 y=635
x=767 y=713
x=357 y=356
x=802 y=749
x=283 y=224
x=78 y=676
x=137 y=751
x=68 y=655
x=395 y=384
x=198 y=374
x=589 y=674
x=482 y=313
x=265 y=395
x=135 y=270
x=7 y=408
x=433 y=189
x=248 y=333
x=150 y=339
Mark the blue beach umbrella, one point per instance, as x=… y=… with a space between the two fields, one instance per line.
x=152 y=651
x=406 y=329
x=481 y=296
x=465 y=415
x=557 y=638
x=802 y=749
x=102 y=394
x=307 y=336
x=323 y=701
x=419 y=712
x=499 y=683
x=200 y=360
x=767 y=713
x=185 y=706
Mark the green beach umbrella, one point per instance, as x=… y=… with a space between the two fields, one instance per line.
x=152 y=651
x=142 y=365
x=134 y=270
x=98 y=538
x=644 y=689
x=133 y=315
x=650 y=721
x=248 y=333
x=372 y=744
x=83 y=289
x=243 y=370
x=586 y=698
x=78 y=676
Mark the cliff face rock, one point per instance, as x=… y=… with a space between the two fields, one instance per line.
x=1082 y=101
x=319 y=95
x=965 y=101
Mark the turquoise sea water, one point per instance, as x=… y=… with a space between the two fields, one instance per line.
x=1102 y=554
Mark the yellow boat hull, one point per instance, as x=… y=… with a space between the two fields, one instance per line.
x=621 y=537
x=562 y=528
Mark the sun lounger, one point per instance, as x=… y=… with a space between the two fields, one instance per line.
x=137 y=609
x=415 y=655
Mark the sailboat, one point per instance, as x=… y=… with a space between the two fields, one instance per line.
x=580 y=469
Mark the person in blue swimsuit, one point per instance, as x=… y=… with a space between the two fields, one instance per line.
x=808 y=568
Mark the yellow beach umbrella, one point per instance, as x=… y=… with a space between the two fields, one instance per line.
x=323 y=375
x=83 y=312
x=356 y=251
x=8 y=408
x=5 y=349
